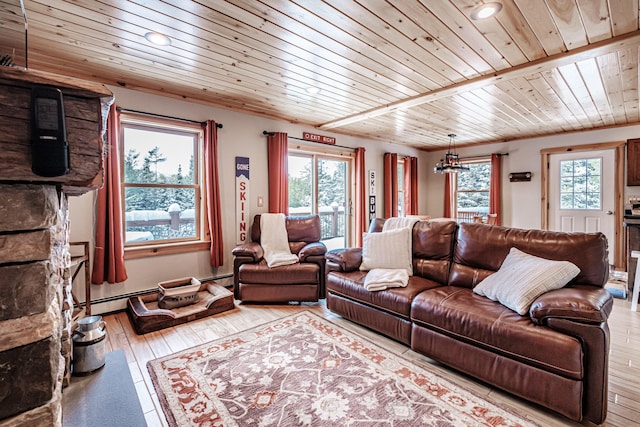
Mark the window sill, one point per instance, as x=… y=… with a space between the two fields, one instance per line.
x=135 y=252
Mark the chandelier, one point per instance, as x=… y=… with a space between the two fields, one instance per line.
x=451 y=162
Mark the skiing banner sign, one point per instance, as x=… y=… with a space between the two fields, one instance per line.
x=242 y=199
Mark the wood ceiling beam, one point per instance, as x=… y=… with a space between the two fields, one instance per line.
x=583 y=53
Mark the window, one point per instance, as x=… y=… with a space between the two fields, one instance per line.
x=319 y=184
x=161 y=179
x=580 y=184
x=472 y=190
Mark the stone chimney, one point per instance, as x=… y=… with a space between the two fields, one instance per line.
x=35 y=302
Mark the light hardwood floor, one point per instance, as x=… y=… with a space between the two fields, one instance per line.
x=624 y=362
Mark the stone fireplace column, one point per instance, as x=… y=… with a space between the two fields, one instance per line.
x=35 y=303
x=34 y=253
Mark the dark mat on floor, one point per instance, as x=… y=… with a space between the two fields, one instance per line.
x=106 y=398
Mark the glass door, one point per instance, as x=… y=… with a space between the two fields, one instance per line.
x=332 y=201
x=320 y=185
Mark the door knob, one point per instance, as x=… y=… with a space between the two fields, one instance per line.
x=609 y=212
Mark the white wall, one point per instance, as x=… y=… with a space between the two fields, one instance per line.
x=521 y=200
x=241 y=135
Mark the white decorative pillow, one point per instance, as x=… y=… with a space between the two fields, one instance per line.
x=387 y=249
x=523 y=277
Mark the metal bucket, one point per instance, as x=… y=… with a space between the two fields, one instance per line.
x=88 y=345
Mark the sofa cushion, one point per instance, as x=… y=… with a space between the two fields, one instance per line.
x=523 y=277
x=480 y=250
x=299 y=229
x=459 y=313
x=389 y=249
x=300 y=273
x=432 y=245
x=397 y=300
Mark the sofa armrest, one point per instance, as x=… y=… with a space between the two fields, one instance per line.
x=582 y=304
x=348 y=259
x=251 y=250
x=582 y=312
x=312 y=249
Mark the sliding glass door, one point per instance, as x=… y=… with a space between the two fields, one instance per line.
x=320 y=185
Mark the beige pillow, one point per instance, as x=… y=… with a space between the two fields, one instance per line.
x=523 y=277
x=387 y=249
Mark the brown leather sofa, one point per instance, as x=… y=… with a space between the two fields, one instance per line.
x=254 y=281
x=557 y=356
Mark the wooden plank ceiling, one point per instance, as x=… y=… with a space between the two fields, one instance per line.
x=408 y=72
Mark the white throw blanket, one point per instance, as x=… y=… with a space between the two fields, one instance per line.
x=383 y=278
x=274 y=240
x=378 y=279
x=397 y=222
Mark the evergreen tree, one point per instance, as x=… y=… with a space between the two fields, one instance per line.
x=476 y=182
x=300 y=189
x=189 y=178
x=154 y=157
x=131 y=171
x=185 y=197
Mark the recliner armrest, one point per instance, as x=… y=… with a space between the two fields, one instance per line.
x=582 y=304
x=581 y=312
x=348 y=259
x=312 y=249
x=251 y=250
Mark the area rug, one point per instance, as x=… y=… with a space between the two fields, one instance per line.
x=303 y=370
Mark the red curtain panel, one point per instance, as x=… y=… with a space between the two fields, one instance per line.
x=495 y=187
x=390 y=185
x=214 y=211
x=108 y=258
x=362 y=210
x=277 y=151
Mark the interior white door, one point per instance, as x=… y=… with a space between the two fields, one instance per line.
x=581 y=193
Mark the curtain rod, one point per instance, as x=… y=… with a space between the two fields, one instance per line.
x=485 y=156
x=218 y=125
x=402 y=156
x=267 y=133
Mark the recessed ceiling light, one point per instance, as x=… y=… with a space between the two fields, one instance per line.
x=486 y=10
x=157 y=38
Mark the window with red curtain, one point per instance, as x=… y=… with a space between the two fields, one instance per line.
x=474 y=192
x=400 y=185
x=166 y=190
x=411 y=185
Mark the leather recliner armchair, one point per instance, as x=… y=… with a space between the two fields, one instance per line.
x=254 y=281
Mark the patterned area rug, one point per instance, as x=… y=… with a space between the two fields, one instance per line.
x=303 y=370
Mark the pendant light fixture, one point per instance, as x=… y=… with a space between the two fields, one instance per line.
x=451 y=162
